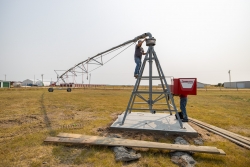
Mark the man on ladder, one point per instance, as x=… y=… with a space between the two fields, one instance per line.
x=138 y=54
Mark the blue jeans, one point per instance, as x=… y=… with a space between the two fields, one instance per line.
x=138 y=65
x=183 y=103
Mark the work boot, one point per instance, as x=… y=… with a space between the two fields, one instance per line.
x=185 y=120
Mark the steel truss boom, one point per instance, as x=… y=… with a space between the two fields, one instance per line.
x=93 y=60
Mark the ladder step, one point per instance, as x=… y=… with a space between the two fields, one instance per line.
x=148 y=78
x=147 y=103
x=146 y=92
x=152 y=77
x=148 y=58
x=149 y=109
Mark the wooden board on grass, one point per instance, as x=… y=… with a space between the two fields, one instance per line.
x=238 y=137
x=223 y=135
x=107 y=141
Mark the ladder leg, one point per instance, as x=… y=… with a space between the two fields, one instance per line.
x=168 y=91
x=162 y=84
x=133 y=96
x=150 y=79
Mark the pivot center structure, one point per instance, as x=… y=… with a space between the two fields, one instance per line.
x=151 y=98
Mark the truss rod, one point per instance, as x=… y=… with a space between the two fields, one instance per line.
x=113 y=48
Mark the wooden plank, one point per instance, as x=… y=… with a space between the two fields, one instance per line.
x=225 y=132
x=69 y=135
x=80 y=136
x=96 y=140
x=222 y=152
x=220 y=129
x=225 y=136
x=93 y=140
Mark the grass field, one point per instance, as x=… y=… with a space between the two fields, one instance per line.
x=28 y=116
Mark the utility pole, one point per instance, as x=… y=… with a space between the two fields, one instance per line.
x=89 y=78
x=82 y=77
x=5 y=77
x=229 y=77
x=42 y=78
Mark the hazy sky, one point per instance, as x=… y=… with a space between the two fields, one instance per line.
x=194 y=38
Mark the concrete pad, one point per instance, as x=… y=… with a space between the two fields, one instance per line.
x=159 y=122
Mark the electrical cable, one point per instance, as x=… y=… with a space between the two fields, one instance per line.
x=112 y=57
x=110 y=52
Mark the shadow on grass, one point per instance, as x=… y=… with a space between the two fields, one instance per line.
x=46 y=118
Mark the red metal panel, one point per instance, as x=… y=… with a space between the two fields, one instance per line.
x=185 y=86
x=175 y=86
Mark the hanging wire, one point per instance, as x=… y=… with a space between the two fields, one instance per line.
x=111 y=51
x=113 y=57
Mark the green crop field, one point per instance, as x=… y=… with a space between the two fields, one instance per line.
x=28 y=116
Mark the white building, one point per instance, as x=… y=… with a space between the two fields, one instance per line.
x=27 y=82
x=44 y=83
x=17 y=84
x=237 y=84
x=200 y=85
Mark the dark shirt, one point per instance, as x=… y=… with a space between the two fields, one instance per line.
x=183 y=96
x=138 y=51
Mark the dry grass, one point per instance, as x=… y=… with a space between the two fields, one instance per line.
x=28 y=116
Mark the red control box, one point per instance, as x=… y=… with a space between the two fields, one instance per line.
x=186 y=86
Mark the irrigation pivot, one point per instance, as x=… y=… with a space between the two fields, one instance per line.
x=97 y=61
x=150 y=97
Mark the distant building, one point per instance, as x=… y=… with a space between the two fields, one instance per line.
x=17 y=84
x=39 y=83
x=200 y=85
x=4 y=84
x=237 y=84
x=27 y=82
x=44 y=83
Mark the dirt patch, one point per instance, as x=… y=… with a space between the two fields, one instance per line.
x=19 y=125
x=24 y=124
x=66 y=155
x=85 y=115
x=19 y=120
